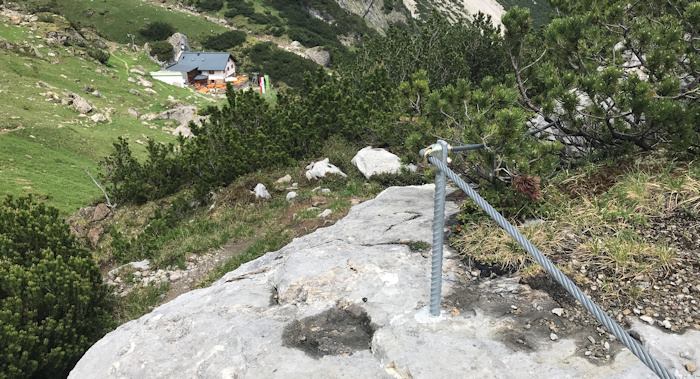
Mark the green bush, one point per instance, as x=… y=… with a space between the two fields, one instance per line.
x=157 y=31
x=130 y=181
x=99 y=55
x=225 y=40
x=281 y=65
x=210 y=5
x=162 y=50
x=53 y=304
x=404 y=178
x=277 y=32
x=236 y=8
x=262 y=19
x=45 y=17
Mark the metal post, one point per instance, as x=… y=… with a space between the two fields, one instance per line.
x=438 y=232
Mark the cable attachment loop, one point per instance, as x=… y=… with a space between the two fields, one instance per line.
x=435 y=150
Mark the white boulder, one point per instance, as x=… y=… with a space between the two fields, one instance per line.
x=261 y=192
x=98 y=117
x=371 y=161
x=318 y=170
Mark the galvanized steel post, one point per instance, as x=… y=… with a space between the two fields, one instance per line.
x=438 y=233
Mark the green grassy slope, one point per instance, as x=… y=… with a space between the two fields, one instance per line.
x=44 y=145
x=114 y=19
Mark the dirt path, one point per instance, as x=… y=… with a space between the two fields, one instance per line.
x=112 y=48
x=205 y=264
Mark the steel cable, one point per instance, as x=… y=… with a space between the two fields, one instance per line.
x=559 y=276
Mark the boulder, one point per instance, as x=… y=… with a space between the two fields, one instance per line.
x=101 y=212
x=36 y=52
x=180 y=45
x=95 y=234
x=317 y=170
x=285 y=179
x=318 y=55
x=5 y=44
x=325 y=213
x=261 y=192
x=150 y=91
x=75 y=38
x=137 y=71
x=371 y=161
x=99 y=117
x=45 y=85
x=133 y=112
x=134 y=92
x=145 y=83
x=183 y=115
x=81 y=105
x=184 y=130
x=350 y=301
x=96 y=93
x=290 y=196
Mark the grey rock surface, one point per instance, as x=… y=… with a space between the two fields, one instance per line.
x=98 y=117
x=81 y=105
x=145 y=83
x=350 y=301
x=133 y=112
x=285 y=179
x=180 y=45
x=318 y=55
x=183 y=115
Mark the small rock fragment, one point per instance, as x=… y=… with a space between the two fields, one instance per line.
x=558 y=311
x=647 y=319
x=285 y=179
x=553 y=337
x=325 y=213
x=690 y=367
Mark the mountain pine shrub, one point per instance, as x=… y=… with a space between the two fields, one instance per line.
x=162 y=50
x=53 y=304
x=157 y=31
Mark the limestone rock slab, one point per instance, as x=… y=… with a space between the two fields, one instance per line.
x=255 y=321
